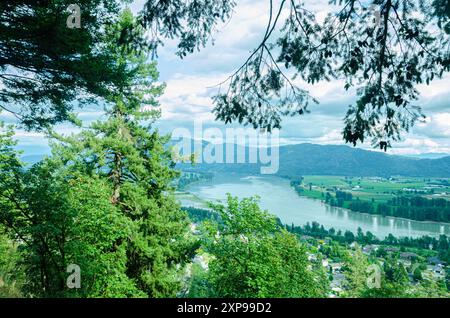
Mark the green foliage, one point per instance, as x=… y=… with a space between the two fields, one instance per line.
x=394 y=281
x=356 y=274
x=253 y=257
x=199 y=215
x=42 y=76
x=60 y=219
x=126 y=151
x=104 y=200
x=199 y=285
x=381 y=48
x=11 y=272
x=191 y=21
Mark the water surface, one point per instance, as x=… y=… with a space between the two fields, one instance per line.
x=280 y=199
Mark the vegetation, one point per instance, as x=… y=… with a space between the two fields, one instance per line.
x=395 y=197
x=334 y=161
x=103 y=201
x=11 y=272
x=385 y=60
x=396 y=278
x=45 y=67
x=253 y=257
x=188 y=178
x=407 y=45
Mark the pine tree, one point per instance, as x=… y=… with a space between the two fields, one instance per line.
x=103 y=201
x=125 y=150
x=57 y=218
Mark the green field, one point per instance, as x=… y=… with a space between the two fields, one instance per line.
x=376 y=189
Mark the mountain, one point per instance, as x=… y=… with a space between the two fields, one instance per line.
x=431 y=155
x=32 y=159
x=310 y=159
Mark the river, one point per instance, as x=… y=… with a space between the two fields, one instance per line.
x=280 y=199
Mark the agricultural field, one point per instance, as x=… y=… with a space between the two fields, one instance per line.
x=376 y=189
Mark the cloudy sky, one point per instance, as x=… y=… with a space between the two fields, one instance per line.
x=191 y=83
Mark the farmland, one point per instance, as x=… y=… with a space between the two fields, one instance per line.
x=375 y=189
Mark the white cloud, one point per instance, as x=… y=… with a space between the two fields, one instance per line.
x=190 y=86
x=435 y=126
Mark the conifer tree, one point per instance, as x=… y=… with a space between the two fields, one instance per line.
x=125 y=150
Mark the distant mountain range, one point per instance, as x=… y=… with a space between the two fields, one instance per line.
x=32 y=159
x=310 y=159
x=433 y=155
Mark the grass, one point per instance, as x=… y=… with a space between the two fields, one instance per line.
x=376 y=189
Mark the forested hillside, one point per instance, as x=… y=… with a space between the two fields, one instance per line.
x=310 y=159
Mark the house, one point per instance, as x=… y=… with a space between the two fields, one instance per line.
x=436 y=271
x=368 y=249
x=408 y=256
x=336 y=267
x=391 y=249
x=434 y=260
x=337 y=284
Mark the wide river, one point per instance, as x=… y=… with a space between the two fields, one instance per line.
x=280 y=199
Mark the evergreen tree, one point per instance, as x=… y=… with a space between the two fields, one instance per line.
x=46 y=68
x=57 y=219
x=126 y=151
x=104 y=200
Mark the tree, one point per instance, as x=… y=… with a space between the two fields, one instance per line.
x=199 y=285
x=417 y=274
x=11 y=272
x=57 y=219
x=394 y=281
x=103 y=201
x=383 y=48
x=191 y=21
x=253 y=257
x=125 y=151
x=356 y=274
x=45 y=66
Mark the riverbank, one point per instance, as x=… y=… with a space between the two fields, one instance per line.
x=408 y=199
x=278 y=197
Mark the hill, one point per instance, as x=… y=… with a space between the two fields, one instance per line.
x=310 y=159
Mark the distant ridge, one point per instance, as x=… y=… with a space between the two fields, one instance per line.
x=307 y=159
x=32 y=159
x=311 y=159
x=431 y=155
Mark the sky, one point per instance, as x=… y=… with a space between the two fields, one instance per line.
x=191 y=83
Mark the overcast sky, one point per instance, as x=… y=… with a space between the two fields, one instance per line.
x=190 y=86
